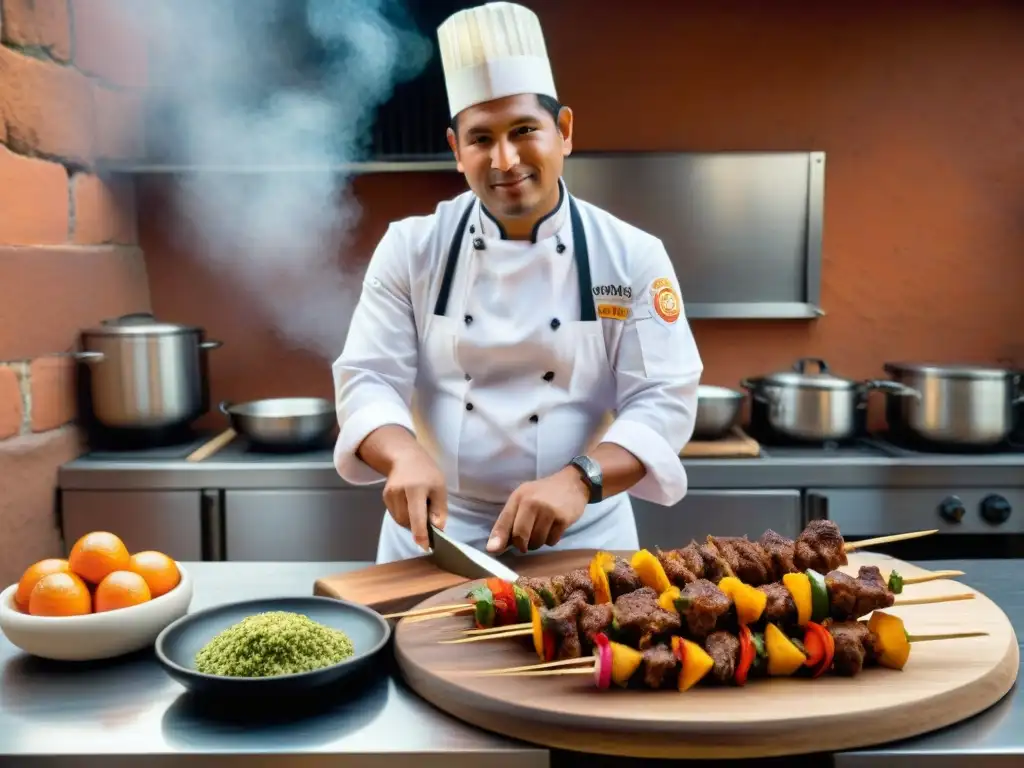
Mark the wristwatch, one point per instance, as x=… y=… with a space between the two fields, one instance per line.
x=591 y=473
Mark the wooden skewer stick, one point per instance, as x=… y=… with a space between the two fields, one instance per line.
x=852 y=546
x=451 y=608
x=495 y=636
x=952 y=636
x=936 y=599
x=933 y=576
x=587 y=661
x=495 y=630
x=546 y=668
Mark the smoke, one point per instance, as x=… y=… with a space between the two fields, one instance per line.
x=288 y=84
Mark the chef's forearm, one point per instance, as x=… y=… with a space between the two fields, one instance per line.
x=620 y=469
x=384 y=445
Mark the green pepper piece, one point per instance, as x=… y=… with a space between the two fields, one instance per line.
x=819 y=596
x=548 y=597
x=523 y=603
x=483 y=606
x=682 y=604
x=760 y=653
x=895 y=583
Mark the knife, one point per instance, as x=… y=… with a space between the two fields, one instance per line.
x=463 y=560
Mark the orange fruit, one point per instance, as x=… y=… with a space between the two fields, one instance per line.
x=159 y=571
x=120 y=589
x=98 y=554
x=60 y=594
x=33 y=574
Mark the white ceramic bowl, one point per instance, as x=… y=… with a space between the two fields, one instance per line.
x=95 y=635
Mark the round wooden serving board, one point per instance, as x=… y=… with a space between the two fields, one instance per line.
x=944 y=682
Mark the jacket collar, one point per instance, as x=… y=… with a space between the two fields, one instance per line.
x=546 y=227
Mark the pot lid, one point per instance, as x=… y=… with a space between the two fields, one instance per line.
x=138 y=324
x=800 y=377
x=953 y=371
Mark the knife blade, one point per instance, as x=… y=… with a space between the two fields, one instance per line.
x=463 y=560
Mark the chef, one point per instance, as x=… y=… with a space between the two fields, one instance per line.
x=519 y=362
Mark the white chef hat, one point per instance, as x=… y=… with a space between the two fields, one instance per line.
x=492 y=51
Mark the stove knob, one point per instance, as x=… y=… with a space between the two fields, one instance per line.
x=995 y=509
x=952 y=509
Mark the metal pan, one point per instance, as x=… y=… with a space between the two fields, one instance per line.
x=718 y=411
x=283 y=423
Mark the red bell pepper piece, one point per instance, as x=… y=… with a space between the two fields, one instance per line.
x=747 y=655
x=821 y=648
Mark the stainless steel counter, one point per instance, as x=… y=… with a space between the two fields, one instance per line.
x=234 y=467
x=129 y=712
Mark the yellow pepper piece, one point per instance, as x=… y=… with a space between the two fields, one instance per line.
x=784 y=658
x=696 y=662
x=649 y=569
x=892 y=639
x=749 y=601
x=667 y=599
x=538 y=631
x=799 y=586
x=598 y=570
x=625 y=661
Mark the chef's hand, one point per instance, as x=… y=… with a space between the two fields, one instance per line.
x=415 y=486
x=538 y=512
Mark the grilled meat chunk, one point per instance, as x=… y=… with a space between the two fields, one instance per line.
x=706 y=604
x=851 y=598
x=638 y=615
x=748 y=561
x=660 y=665
x=780 y=549
x=855 y=645
x=724 y=649
x=820 y=547
x=780 y=608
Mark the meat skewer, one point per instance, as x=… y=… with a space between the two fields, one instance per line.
x=798 y=598
x=643 y=618
x=820 y=547
x=843 y=648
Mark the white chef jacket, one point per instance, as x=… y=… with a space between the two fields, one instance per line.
x=506 y=358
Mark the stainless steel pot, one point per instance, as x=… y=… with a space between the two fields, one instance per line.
x=956 y=405
x=145 y=374
x=718 y=410
x=283 y=423
x=813 y=407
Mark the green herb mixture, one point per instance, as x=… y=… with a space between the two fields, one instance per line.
x=273 y=643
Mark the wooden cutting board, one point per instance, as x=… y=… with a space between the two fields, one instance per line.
x=737 y=445
x=398 y=586
x=944 y=682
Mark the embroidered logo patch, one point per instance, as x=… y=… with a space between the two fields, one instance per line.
x=665 y=300
x=613 y=311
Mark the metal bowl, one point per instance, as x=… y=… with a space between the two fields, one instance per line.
x=718 y=411
x=291 y=423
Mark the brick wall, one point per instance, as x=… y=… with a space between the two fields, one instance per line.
x=70 y=96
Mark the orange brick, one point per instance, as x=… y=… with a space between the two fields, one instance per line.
x=47 y=107
x=43 y=24
x=48 y=295
x=11 y=411
x=52 y=387
x=110 y=41
x=28 y=476
x=119 y=124
x=33 y=200
x=104 y=209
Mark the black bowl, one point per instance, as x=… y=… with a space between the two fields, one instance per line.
x=177 y=645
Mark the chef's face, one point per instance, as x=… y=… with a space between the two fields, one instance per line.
x=512 y=151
